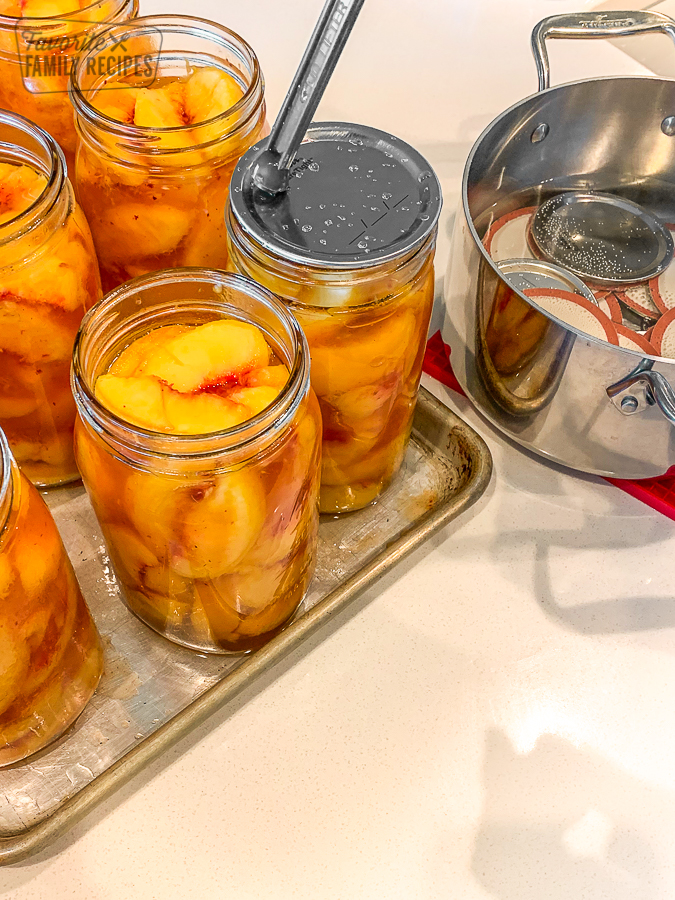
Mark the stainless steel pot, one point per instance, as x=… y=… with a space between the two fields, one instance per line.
x=561 y=393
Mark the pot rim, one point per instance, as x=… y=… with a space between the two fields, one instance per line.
x=486 y=256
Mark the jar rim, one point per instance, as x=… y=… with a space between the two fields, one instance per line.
x=7 y=466
x=275 y=417
x=175 y=23
x=55 y=164
x=73 y=14
x=331 y=191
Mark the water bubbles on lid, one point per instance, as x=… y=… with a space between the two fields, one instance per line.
x=353 y=168
x=362 y=245
x=389 y=155
x=297 y=221
x=386 y=196
x=357 y=141
x=306 y=228
x=424 y=218
x=330 y=221
x=322 y=240
x=313 y=167
x=322 y=205
x=285 y=227
x=424 y=176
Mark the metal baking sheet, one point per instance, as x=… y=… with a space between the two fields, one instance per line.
x=153 y=692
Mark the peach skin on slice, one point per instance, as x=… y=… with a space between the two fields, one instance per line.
x=211 y=354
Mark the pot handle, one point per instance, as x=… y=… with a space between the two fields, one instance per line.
x=593 y=25
x=641 y=389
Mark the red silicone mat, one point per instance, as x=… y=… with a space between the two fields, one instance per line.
x=659 y=493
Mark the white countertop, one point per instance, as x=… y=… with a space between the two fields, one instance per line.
x=496 y=719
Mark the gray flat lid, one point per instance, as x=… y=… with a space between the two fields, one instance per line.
x=357 y=197
x=602 y=236
x=525 y=274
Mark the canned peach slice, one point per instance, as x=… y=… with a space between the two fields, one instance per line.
x=14 y=661
x=206 y=412
x=39 y=554
x=208 y=355
x=132 y=357
x=208 y=92
x=368 y=353
x=129 y=554
x=118 y=104
x=205 y=528
x=20 y=186
x=39 y=9
x=35 y=333
x=146 y=229
x=186 y=380
x=136 y=399
x=265 y=376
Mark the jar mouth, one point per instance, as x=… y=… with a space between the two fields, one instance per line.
x=194 y=29
x=83 y=15
x=104 y=329
x=24 y=143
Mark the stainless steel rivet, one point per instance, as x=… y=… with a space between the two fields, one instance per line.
x=668 y=126
x=629 y=404
x=539 y=133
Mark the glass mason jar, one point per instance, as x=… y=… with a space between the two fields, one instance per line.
x=50 y=653
x=363 y=300
x=213 y=537
x=37 y=52
x=48 y=279
x=154 y=195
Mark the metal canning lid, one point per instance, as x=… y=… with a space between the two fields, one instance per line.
x=602 y=236
x=357 y=197
x=525 y=274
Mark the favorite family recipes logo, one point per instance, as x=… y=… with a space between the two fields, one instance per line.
x=48 y=54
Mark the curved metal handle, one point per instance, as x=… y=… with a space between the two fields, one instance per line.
x=593 y=25
x=643 y=388
x=270 y=170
